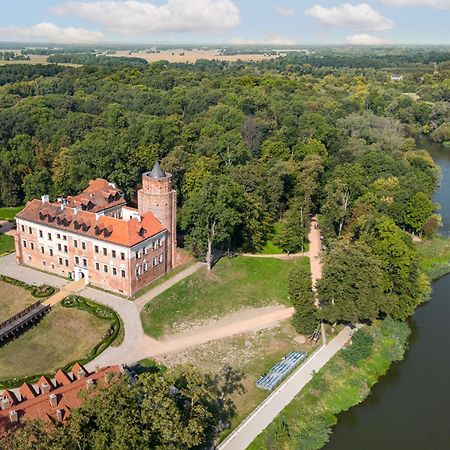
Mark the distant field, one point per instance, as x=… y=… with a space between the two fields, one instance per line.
x=177 y=56
x=35 y=59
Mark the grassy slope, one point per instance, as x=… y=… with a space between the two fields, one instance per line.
x=13 y=299
x=6 y=244
x=9 y=212
x=62 y=336
x=434 y=256
x=233 y=284
x=306 y=422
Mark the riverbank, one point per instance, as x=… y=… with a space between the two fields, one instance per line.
x=307 y=421
x=434 y=256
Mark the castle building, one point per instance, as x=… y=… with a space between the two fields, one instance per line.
x=97 y=237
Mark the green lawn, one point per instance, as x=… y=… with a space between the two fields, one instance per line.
x=64 y=335
x=6 y=244
x=9 y=212
x=271 y=248
x=434 y=256
x=233 y=284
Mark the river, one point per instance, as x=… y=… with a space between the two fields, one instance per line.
x=409 y=408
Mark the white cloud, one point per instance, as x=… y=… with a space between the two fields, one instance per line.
x=48 y=32
x=269 y=39
x=282 y=10
x=278 y=39
x=365 y=39
x=138 y=18
x=357 y=17
x=436 y=4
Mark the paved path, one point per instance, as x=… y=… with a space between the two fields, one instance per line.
x=266 y=412
x=9 y=267
x=136 y=345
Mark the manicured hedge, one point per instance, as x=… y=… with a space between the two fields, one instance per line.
x=100 y=311
x=41 y=291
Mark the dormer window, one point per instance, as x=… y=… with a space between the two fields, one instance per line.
x=142 y=231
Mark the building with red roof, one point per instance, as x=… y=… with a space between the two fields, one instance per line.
x=50 y=400
x=96 y=236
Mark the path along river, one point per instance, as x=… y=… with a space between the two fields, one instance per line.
x=409 y=408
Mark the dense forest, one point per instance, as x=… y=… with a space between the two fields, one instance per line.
x=249 y=145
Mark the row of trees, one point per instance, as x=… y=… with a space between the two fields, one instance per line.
x=177 y=409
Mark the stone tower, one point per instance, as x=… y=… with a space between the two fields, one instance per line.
x=158 y=197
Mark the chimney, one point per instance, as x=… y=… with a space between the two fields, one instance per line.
x=81 y=373
x=139 y=218
x=5 y=403
x=63 y=206
x=13 y=417
x=75 y=211
x=53 y=400
x=45 y=388
x=59 y=415
x=89 y=384
x=45 y=199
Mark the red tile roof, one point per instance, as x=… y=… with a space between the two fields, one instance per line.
x=67 y=397
x=105 y=228
x=100 y=195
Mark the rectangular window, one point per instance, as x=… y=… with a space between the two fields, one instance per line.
x=41 y=234
x=67 y=263
x=105 y=268
x=96 y=249
x=155 y=261
x=113 y=252
x=30 y=230
x=24 y=243
x=59 y=247
x=155 y=245
x=77 y=260
x=75 y=243
x=58 y=236
x=51 y=252
x=66 y=250
x=64 y=237
x=42 y=249
x=114 y=270
x=97 y=266
x=145 y=267
x=83 y=245
x=31 y=246
x=84 y=262
x=122 y=256
x=49 y=235
x=44 y=263
x=23 y=228
x=105 y=251
x=60 y=261
x=161 y=257
x=159 y=242
x=122 y=272
x=53 y=266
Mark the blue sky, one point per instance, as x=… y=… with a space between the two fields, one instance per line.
x=272 y=22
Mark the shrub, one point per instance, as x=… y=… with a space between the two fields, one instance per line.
x=361 y=348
